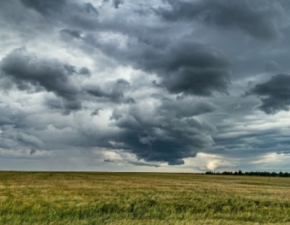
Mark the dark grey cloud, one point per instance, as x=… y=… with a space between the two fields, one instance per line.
x=109 y=161
x=84 y=71
x=140 y=163
x=253 y=142
x=183 y=66
x=28 y=139
x=274 y=94
x=113 y=91
x=71 y=13
x=31 y=73
x=162 y=136
x=46 y=7
x=172 y=59
x=115 y=3
x=186 y=108
x=272 y=66
x=33 y=151
x=96 y=112
x=8 y=116
x=13 y=138
x=53 y=7
x=259 y=19
x=63 y=106
x=25 y=68
x=71 y=33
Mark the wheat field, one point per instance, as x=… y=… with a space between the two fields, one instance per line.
x=142 y=198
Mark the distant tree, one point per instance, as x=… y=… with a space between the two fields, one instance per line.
x=280 y=174
x=274 y=174
x=209 y=172
x=227 y=173
x=251 y=173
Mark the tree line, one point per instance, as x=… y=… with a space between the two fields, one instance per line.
x=241 y=173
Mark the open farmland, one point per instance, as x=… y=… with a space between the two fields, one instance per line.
x=142 y=198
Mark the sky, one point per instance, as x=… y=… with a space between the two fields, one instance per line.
x=145 y=86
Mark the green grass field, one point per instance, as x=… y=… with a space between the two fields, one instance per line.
x=142 y=198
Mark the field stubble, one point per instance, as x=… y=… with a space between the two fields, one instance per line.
x=142 y=198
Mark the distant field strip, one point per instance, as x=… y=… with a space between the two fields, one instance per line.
x=142 y=198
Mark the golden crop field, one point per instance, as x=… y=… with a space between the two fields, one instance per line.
x=142 y=198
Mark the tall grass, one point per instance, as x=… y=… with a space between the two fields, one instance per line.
x=142 y=198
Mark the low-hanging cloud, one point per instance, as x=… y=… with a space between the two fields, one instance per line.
x=186 y=107
x=46 y=7
x=71 y=13
x=274 y=94
x=155 y=82
x=183 y=66
x=32 y=73
x=158 y=135
x=259 y=19
x=113 y=91
x=26 y=68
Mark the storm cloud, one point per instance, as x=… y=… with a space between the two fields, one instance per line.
x=112 y=91
x=184 y=67
x=45 y=7
x=259 y=19
x=274 y=94
x=123 y=85
x=25 y=68
x=116 y=3
x=82 y=15
x=162 y=136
